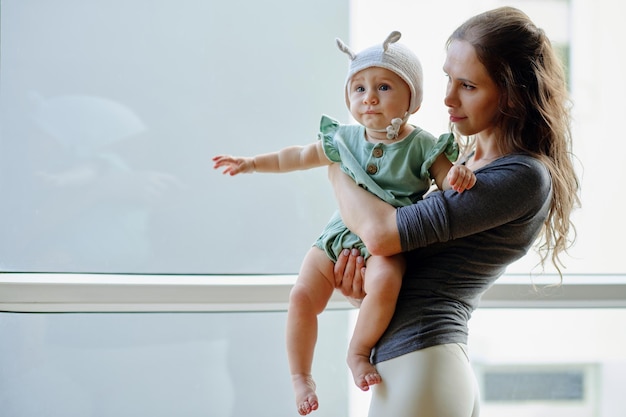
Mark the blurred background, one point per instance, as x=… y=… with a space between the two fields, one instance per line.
x=110 y=113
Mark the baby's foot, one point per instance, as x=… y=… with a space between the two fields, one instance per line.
x=304 y=388
x=363 y=372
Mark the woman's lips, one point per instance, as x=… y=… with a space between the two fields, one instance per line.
x=455 y=119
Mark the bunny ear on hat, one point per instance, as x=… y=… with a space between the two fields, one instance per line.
x=392 y=38
x=345 y=49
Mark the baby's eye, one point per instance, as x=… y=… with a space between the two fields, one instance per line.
x=383 y=87
x=359 y=89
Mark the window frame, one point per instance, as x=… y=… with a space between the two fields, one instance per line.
x=59 y=292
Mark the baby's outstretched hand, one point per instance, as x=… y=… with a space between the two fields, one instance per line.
x=234 y=165
x=461 y=178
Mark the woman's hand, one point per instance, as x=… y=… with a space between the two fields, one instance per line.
x=349 y=273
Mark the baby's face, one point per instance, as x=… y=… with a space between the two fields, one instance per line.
x=377 y=95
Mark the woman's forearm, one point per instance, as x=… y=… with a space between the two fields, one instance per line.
x=366 y=215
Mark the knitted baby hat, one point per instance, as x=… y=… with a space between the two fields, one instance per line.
x=392 y=56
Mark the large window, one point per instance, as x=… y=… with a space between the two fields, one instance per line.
x=111 y=112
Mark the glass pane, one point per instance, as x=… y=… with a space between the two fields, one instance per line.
x=227 y=364
x=110 y=113
x=117 y=365
x=111 y=110
x=547 y=362
x=550 y=362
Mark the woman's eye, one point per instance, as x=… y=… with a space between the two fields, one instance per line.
x=468 y=87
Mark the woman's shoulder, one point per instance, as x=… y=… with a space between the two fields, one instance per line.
x=519 y=169
x=524 y=159
x=522 y=162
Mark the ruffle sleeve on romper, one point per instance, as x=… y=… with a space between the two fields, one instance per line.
x=328 y=129
x=445 y=144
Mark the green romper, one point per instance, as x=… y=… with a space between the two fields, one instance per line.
x=396 y=172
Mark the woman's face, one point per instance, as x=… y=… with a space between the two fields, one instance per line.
x=472 y=97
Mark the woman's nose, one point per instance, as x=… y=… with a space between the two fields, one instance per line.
x=450 y=99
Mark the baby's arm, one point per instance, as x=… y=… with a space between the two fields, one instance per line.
x=448 y=176
x=288 y=159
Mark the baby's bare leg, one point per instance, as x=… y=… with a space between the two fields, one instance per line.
x=308 y=298
x=382 y=281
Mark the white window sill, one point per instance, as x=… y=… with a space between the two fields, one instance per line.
x=39 y=292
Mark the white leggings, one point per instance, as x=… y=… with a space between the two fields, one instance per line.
x=434 y=382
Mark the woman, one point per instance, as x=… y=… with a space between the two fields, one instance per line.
x=506 y=93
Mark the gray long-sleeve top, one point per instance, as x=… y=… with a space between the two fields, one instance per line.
x=457 y=245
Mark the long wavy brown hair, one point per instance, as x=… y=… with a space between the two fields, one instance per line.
x=534 y=115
